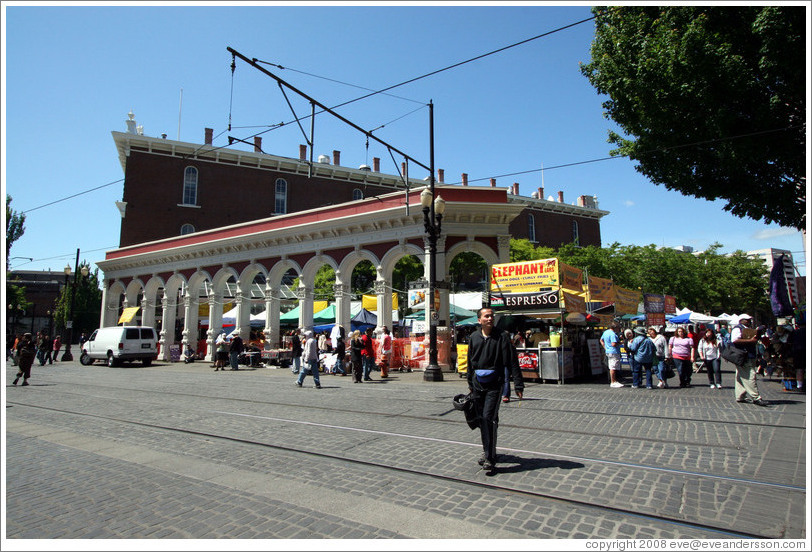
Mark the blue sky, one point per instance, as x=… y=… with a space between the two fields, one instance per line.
x=72 y=73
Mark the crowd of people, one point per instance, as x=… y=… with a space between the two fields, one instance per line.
x=696 y=348
x=333 y=352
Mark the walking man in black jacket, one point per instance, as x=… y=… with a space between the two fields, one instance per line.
x=490 y=355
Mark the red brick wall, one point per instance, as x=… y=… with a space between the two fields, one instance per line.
x=555 y=229
x=226 y=195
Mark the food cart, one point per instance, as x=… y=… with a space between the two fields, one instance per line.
x=538 y=296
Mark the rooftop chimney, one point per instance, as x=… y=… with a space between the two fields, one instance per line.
x=441 y=175
x=515 y=188
x=464 y=179
x=560 y=196
x=209 y=133
x=258 y=144
x=541 y=193
x=493 y=183
x=376 y=164
x=302 y=152
x=403 y=169
x=336 y=157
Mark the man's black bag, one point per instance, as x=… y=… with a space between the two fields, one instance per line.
x=466 y=404
x=734 y=354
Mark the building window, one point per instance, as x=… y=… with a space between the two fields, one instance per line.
x=281 y=198
x=357 y=194
x=531 y=228
x=190 y=186
x=576 y=239
x=186 y=229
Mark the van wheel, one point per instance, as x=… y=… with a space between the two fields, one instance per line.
x=85 y=359
x=111 y=361
x=147 y=361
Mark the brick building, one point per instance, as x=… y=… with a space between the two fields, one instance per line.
x=173 y=188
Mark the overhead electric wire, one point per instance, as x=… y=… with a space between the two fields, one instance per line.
x=409 y=81
x=72 y=196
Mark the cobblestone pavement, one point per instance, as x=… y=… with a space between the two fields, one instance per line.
x=177 y=451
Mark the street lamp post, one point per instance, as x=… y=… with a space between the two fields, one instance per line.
x=67 y=356
x=432 y=220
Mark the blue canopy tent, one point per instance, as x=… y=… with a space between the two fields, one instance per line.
x=684 y=318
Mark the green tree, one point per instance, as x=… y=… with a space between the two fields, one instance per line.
x=86 y=303
x=712 y=101
x=15 y=227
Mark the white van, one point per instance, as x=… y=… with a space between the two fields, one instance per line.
x=115 y=344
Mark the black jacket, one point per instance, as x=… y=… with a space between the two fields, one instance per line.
x=494 y=352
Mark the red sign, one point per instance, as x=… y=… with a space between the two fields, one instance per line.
x=529 y=363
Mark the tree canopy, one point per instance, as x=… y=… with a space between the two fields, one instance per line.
x=708 y=282
x=15 y=227
x=712 y=100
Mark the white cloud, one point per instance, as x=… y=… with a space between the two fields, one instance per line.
x=772 y=233
x=628 y=203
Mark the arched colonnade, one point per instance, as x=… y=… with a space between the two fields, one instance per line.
x=171 y=278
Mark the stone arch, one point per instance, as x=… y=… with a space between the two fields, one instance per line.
x=151 y=300
x=488 y=255
x=349 y=262
x=308 y=274
x=397 y=253
x=112 y=303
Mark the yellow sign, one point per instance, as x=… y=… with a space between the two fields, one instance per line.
x=626 y=301
x=573 y=302
x=127 y=315
x=524 y=276
x=370 y=302
x=462 y=358
x=571 y=278
x=601 y=289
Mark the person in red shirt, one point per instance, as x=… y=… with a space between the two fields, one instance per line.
x=367 y=353
x=386 y=352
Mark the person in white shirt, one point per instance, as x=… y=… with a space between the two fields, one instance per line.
x=746 y=371
x=708 y=350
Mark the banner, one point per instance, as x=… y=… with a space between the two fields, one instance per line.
x=655 y=319
x=670 y=304
x=370 y=302
x=415 y=297
x=571 y=278
x=601 y=289
x=527 y=276
x=573 y=302
x=653 y=303
x=127 y=315
x=626 y=301
x=523 y=301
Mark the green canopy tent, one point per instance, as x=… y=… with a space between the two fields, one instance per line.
x=325 y=316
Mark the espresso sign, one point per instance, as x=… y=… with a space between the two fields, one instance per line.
x=520 y=301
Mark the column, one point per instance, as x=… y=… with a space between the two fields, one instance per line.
x=190 y=314
x=147 y=311
x=343 y=307
x=305 y=295
x=272 y=308
x=384 y=293
x=169 y=307
x=243 y=322
x=215 y=322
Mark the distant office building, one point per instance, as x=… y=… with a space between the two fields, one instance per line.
x=770 y=257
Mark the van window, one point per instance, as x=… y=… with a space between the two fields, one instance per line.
x=147 y=333
x=131 y=333
x=93 y=335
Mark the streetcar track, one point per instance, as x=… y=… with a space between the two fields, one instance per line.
x=440 y=477
x=616 y=463
x=439 y=417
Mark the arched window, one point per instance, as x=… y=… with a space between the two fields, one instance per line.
x=190 y=186
x=281 y=197
x=186 y=229
x=576 y=239
x=531 y=228
x=357 y=194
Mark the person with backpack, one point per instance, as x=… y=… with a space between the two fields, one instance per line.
x=643 y=350
x=709 y=354
x=745 y=340
x=660 y=348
